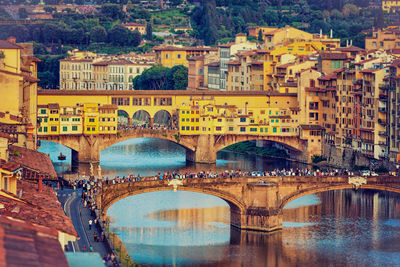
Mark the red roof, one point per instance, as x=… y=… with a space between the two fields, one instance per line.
x=36 y=207
x=33 y=160
x=333 y=56
x=7 y=45
x=134 y=24
x=233 y=63
x=22 y=244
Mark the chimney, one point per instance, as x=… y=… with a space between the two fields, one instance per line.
x=40 y=183
x=12 y=40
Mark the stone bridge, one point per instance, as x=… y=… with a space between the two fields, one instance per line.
x=255 y=203
x=199 y=148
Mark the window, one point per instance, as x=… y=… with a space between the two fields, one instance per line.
x=183 y=128
x=91 y=119
x=74 y=128
x=242 y=129
x=45 y=129
x=42 y=111
x=218 y=128
x=230 y=129
x=88 y=129
x=53 y=128
x=93 y=128
x=242 y=119
x=274 y=129
x=40 y=129
x=65 y=128
x=253 y=129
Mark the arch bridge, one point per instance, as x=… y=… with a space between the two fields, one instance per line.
x=199 y=148
x=254 y=205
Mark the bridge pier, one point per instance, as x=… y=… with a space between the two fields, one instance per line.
x=89 y=150
x=205 y=151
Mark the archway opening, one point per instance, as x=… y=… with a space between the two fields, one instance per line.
x=145 y=156
x=162 y=118
x=123 y=118
x=62 y=157
x=141 y=118
x=258 y=155
x=165 y=220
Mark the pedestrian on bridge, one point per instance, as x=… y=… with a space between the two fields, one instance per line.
x=90 y=224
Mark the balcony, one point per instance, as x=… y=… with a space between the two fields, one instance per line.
x=383 y=110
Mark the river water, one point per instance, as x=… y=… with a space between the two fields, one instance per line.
x=336 y=228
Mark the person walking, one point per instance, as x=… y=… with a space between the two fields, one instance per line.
x=90 y=224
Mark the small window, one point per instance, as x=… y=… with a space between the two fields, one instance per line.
x=242 y=129
x=53 y=128
x=65 y=129
x=74 y=128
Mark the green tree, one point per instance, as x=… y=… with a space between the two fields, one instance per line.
x=98 y=34
x=151 y=79
x=119 y=35
x=135 y=38
x=113 y=11
x=22 y=13
x=379 y=19
x=260 y=36
x=149 y=31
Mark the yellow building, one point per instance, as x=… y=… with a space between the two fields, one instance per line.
x=132 y=26
x=18 y=76
x=108 y=119
x=390 y=5
x=54 y=119
x=71 y=120
x=9 y=170
x=205 y=116
x=91 y=118
x=170 y=56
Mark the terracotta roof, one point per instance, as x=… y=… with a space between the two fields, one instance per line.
x=10 y=166
x=36 y=207
x=7 y=45
x=22 y=244
x=134 y=24
x=213 y=64
x=101 y=63
x=109 y=106
x=256 y=63
x=328 y=77
x=54 y=106
x=196 y=58
x=34 y=161
x=34 y=59
x=333 y=56
x=119 y=61
x=350 y=49
x=77 y=59
x=235 y=62
x=227 y=45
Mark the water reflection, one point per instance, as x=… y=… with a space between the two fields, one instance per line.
x=148 y=156
x=340 y=228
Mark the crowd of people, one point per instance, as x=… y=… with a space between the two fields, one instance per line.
x=146 y=126
x=233 y=174
x=89 y=190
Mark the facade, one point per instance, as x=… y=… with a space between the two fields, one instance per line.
x=88 y=118
x=100 y=73
x=18 y=76
x=390 y=5
x=169 y=56
x=386 y=39
x=132 y=26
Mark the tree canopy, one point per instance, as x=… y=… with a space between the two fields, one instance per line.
x=162 y=78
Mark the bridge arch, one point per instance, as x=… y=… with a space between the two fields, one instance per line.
x=162 y=117
x=237 y=208
x=124 y=118
x=142 y=117
x=293 y=143
x=310 y=191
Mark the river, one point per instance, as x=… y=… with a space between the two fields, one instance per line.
x=335 y=228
